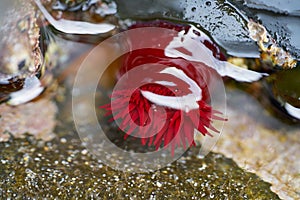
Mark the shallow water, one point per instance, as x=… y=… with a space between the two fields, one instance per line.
x=257 y=156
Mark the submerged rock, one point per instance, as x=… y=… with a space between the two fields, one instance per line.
x=64 y=169
x=34 y=118
x=262 y=144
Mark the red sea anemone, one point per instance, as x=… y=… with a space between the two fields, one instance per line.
x=171 y=101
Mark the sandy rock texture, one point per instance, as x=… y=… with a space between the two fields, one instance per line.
x=34 y=118
x=262 y=144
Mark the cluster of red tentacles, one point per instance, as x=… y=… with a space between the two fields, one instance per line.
x=153 y=123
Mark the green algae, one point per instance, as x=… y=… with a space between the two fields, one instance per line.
x=63 y=169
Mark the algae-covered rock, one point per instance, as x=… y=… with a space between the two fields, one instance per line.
x=65 y=170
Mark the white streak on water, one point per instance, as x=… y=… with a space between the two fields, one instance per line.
x=200 y=53
x=75 y=27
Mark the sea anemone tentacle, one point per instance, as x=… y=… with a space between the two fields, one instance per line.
x=171 y=102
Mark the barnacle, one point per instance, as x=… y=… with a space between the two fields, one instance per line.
x=268 y=46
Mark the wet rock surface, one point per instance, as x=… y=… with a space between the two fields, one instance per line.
x=280 y=18
x=226 y=20
x=219 y=18
x=64 y=169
